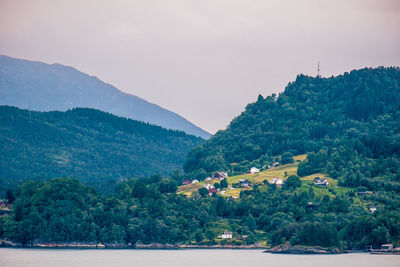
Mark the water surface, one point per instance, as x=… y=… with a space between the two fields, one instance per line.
x=184 y=257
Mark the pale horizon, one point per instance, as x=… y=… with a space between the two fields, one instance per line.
x=204 y=61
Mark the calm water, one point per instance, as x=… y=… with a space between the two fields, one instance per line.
x=193 y=257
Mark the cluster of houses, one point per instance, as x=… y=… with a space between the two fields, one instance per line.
x=216 y=176
x=254 y=170
x=208 y=186
x=187 y=181
x=277 y=181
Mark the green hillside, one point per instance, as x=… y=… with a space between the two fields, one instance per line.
x=343 y=129
x=93 y=146
x=348 y=125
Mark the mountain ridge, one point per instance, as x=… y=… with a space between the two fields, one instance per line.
x=40 y=86
x=91 y=145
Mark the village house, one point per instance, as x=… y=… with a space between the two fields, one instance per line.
x=3 y=204
x=254 y=170
x=312 y=205
x=372 y=209
x=208 y=179
x=387 y=247
x=212 y=190
x=220 y=175
x=245 y=183
x=186 y=182
x=277 y=181
x=195 y=181
x=320 y=182
x=227 y=235
x=208 y=186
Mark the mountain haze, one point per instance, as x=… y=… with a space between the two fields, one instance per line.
x=47 y=87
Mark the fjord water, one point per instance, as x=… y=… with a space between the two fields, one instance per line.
x=189 y=258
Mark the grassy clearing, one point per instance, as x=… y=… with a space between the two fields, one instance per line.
x=300 y=157
x=257 y=178
x=282 y=172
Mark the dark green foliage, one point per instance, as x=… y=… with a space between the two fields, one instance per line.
x=357 y=114
x=10 y=196
x=287 y=157
x=90 y=145
x=224 y=183
x=203 y=192
x=65 y=210
x=292 y=182
x=349 y=126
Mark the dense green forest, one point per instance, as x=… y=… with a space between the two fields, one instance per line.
x=148 y=211
x=93 y=146
x=349 y=125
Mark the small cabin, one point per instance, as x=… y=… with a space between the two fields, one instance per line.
x=220 y=175
x=387 y=247
x=254 y=170
x=372 y=209
x=186 y=182
x=195 y=181
x=245 y=183
x=320 y=182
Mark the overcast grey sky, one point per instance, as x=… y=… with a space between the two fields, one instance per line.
x=205 y=60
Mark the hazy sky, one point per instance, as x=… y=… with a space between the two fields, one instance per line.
x=203 y=59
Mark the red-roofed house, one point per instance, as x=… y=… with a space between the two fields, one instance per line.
x=212 y=190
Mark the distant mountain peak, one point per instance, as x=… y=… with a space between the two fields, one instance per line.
x=44 y=87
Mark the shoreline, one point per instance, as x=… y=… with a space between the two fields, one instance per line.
x=92 y=245
x=296 y=250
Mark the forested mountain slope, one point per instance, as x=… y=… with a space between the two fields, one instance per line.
x=93 y=146
x=349 y=125
x=44 y=87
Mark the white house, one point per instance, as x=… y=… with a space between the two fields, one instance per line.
x=276 y=180
x=227 y=235
x=254 y=170
x=208 y=186
x=320 y=182
x=195 y=181
x=208 y=179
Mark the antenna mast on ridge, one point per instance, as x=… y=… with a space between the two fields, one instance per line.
x=318 y=70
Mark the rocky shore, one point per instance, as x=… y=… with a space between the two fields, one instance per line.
x=288 y=249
